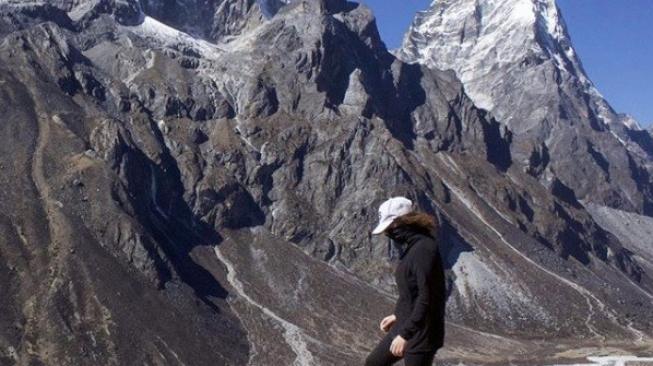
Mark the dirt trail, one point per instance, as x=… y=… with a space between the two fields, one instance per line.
x=59 y=233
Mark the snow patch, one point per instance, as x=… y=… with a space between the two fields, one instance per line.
x=612 y=361
x=621 y=141
x=523 y=12
x=163 y=127
x=171 y=37
x=80 y=10
x=630 y=122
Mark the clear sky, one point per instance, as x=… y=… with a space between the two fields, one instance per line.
x=614 y=39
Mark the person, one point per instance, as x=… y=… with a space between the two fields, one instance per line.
x=415 y=331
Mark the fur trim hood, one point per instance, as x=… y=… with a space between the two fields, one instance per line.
x=418 y=221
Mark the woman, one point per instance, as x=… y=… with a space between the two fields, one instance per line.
x=416 y=329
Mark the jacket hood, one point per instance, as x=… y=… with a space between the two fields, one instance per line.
x=408 y=226
x=417 y=221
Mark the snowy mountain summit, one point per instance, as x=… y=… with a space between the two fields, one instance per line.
x=516 y=60
x=499 y=46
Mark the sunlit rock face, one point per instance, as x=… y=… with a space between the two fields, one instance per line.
x=198 y=187
x=516 y=60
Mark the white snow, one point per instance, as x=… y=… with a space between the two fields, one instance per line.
x=612 y=361
x=523 y=11
x=630 y=122
x=550 y=13
x=163 y=127
x=78 y=11
x=169 y=36
x=486 y=42
x=153 y=27
x=621 y=141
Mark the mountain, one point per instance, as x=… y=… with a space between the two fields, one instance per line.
x=516 y=60
x=195 y=183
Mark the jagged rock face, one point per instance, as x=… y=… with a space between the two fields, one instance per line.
x=516 y=60
x=177 y=199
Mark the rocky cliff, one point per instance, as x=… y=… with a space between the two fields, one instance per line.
x=198 y=186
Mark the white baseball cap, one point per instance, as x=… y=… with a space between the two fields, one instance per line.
x=390 y=210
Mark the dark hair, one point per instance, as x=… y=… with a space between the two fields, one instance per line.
x=419 y=221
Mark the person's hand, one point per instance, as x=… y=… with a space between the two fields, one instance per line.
x=387 y=322
x=398 y=346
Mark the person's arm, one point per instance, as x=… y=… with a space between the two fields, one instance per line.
x=423 y=271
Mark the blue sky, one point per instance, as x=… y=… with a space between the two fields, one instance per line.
x=614 y=39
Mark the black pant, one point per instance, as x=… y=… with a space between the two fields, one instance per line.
x=381 y=355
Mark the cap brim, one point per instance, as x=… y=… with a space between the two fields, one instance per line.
x=382 y=226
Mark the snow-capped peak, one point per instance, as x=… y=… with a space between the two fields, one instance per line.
x=502 y=50
x=480 y=26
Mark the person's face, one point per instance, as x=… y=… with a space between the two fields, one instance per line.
x=387 y=230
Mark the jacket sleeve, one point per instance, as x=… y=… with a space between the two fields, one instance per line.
x=423 y=267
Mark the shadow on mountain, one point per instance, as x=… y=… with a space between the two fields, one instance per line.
x=643 y=139
x=159 y=206
x=408 y=96
x=498 y=146
x=452 y=245
x=564 y=193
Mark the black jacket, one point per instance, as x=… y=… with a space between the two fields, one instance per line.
x=421 y=284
